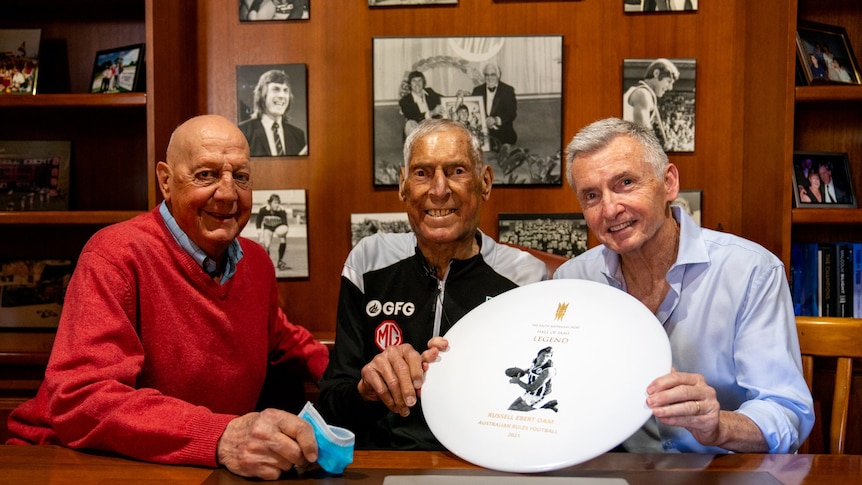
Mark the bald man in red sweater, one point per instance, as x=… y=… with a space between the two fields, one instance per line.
x=169 y=323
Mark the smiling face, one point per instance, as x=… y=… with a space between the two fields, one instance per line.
x=277 y=99
x=206 y=182
x=623 y=202
x=443 y=190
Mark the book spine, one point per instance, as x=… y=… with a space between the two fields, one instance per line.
x=828 y=280
x=857 y=280
x=844 y=280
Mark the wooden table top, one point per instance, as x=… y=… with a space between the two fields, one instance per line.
x=57 y=465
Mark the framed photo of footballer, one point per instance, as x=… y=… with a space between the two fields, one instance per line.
x=279 y=222
x=34 y=175
x=117 y=70
x=822 y=180
x=362 y=225
x=513 y=82
x=563 y=234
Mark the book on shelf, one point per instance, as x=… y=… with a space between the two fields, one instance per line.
x=826 y=279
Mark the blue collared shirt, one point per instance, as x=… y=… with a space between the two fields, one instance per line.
x=729 y=317
x=209 y=265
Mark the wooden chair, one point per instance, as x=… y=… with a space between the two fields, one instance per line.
x=839 y=338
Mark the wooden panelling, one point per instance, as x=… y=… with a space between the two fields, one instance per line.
x=335 y=44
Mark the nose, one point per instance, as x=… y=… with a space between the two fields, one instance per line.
x=439 y=185
x=610 y=205
x=226 y=188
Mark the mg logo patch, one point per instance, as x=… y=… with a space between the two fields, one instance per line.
x=386 y=334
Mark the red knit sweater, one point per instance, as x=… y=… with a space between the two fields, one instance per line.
x=152 y=357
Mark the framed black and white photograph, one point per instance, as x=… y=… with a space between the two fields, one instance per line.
x=469 y=111
x=402 y=3
x=366 y=224
x=32 y=292
x=272 y=109
x=520 y=75
x=262 y=10
x=822 y=180
x=34 y=175
x=19 y=60
x=118 y=70
x=825 y=55
x=690 y=201
x=279 y=222
x=659 y=5
x=563 y=234
x=660 y=93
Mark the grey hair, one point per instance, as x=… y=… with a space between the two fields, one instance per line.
x=429 y=127
x=599 y=134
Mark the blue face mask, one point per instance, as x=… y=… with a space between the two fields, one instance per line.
x=334 y=444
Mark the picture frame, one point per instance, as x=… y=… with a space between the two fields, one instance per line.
x=366 y=224
x=118 y=70
x=563 y=234
x=825 y=55
x=252 y=83
x=811 y=169
x=653 y=6
x=34 y=175
x=691 y=201
x=672 y=116
x=525 y=149
x=19 y=56
x=274 y=10
x=282 y=229
x=32 y=292
x=406 y=3
x=468 y=110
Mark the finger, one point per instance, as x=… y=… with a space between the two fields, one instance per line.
x=294 y=440
x=372 y=381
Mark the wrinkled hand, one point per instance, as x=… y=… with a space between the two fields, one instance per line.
x=265 y=444
x=393 y=377
x=686 y=400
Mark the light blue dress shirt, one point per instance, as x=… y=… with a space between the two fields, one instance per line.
x=729 y=317
x=209 y=265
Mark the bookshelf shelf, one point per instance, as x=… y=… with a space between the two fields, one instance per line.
x=826 y=216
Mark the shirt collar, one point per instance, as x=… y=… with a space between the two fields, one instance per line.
x=209 y=265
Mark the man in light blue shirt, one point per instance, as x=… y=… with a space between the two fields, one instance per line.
x=736 y=384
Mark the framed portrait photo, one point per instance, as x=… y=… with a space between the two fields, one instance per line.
x=650 y=100
x=279 y=223
x=822 y=180
x=825 y=55
x=117 y=70
x=417 y=78
x=563 y=234
x=19 y=60
x=272 y=109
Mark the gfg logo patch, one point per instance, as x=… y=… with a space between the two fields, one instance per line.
x=389 y=308
x=386 y=334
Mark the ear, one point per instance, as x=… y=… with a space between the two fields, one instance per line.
x=487 y=175
x=401 y=181
x=163 y=175
x=671 y=182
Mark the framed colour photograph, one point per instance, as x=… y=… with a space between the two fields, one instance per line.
x=825 y=55
x=34 y=175
x=279 y=223
x=415 y=78
x=19 y=60
x=117 y=70
x=32 y=292
x=563 y=234
x=821 y=180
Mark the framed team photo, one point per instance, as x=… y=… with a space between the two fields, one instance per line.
x=402 y=3
x=34 y=175
x=366 y=224
x=822 y=180
x=279 y=222
x=19 y=60
x=563 y=234
x=416 y=78
x=117 y=70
